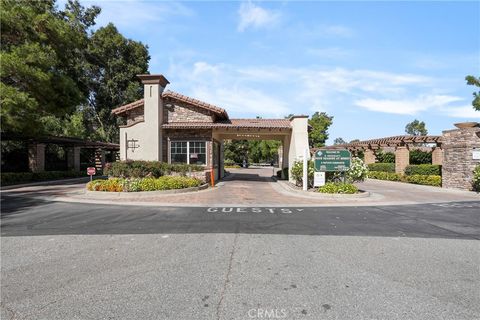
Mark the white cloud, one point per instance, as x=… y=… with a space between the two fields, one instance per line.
x=407 y=106
x=466 y=112
x=253 y=16
x=275 y=91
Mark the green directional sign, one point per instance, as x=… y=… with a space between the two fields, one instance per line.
x=332 y=160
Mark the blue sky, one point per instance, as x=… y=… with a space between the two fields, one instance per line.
x=374 y=66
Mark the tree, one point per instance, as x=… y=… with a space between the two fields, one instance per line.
x=41 y=56
x=416 y=128
x=339 y=141
x=320 y=122
x=474 y=81
x=113 y=63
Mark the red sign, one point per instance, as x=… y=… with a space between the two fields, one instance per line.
x=91 y=171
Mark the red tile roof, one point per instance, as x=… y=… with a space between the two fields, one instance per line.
x=127 y=107
x=180 y=97
x=175 y=96
x=232 y=123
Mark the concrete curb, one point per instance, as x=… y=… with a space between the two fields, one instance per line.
x=317 y=195
x=140 y=194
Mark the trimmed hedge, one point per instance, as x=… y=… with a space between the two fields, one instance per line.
x=385 y=157
x=143 y=184
x=390 y=176
x=420 y=157
x=424 y=169
x=142 y=169
x=339 y=188
x=429 y=180
x=382 y=167
x=9 y=178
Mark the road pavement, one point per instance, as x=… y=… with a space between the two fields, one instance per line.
x=84 y=261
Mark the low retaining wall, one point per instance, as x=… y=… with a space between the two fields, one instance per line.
x=203 y=176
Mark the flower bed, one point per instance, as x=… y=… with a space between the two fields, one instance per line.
x=143 y=184
x=338 y=188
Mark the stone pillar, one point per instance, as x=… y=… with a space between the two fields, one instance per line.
x=369 y=156
x=437 y=155
x=459 y=155
x=402 y=159
x=99 y=159
x=73 y=158
x=36 y=157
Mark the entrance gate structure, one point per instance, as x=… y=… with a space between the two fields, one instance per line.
x=171 y=127
x=456 y=150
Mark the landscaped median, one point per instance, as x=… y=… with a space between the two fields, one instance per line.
x=339 y=184
x=424 y=174
x=138 y=176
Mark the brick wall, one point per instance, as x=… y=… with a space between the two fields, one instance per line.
x=135 y=115
x=180 y=112
x=458 y=164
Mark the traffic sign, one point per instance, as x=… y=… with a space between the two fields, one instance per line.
x=332 y=160
x=91 y=171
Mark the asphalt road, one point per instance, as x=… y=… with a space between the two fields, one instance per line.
x=82 y=261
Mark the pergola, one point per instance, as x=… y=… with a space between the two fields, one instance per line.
x=36 y=150
x=402 y=145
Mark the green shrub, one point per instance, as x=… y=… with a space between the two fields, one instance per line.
x=385 y=157
x=229 y=162
x=390 y=176
x=110 y=185
x=429 y=180
x=143 y=184
x=342 y=188
x=297 y=172
x=420 y=157
x=141 y=169
x=383 y=167
x=424 y=169
x=232 y=166
x=358 y=170
x=9 y=178
x=476 y=178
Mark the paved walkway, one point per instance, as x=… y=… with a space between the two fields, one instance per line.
x=255 y=187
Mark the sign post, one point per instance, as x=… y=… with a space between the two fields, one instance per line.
x=305 y=170
x=91 y=172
